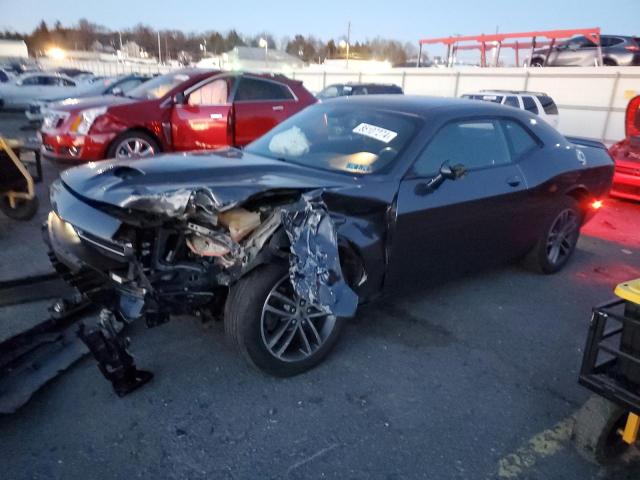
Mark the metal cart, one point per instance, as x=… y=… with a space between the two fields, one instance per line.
x=18 y=198
x=611 y=369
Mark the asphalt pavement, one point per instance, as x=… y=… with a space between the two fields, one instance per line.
x=474 y=379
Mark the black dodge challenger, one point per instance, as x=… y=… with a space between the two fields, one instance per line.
x=341 y=202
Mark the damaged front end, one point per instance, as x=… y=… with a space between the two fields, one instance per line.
x=179 y=251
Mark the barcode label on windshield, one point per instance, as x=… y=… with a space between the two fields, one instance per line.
x=378 y=133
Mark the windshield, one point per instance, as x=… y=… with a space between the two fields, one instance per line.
x=339 y=137
x=158 y=87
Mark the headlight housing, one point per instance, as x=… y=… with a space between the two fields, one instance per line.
x=85 y=119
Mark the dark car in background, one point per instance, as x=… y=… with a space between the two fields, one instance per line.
x=617 y=50
x=109 y=86
x=349 y=198
x=349 y=89
x=190 y=109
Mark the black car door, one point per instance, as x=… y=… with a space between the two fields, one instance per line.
x=462 y=224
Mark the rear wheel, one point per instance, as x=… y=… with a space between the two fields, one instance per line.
x=537 y=63
x=22 y=209
x=609 y=62
x=276 y=330
x=558 y=238
x=133 y=145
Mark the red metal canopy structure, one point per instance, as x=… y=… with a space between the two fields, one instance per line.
x=497 y=40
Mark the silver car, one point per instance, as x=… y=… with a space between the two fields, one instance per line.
x=617 y=50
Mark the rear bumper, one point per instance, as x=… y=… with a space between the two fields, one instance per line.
x=79 y=148
x=626 y=186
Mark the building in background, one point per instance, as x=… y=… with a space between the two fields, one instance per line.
x=13 y=49
x=252 y=58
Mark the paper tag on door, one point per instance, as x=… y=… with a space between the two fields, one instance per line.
x=377 y=133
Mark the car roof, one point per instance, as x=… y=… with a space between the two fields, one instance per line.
x=425 y=106
x=506 y=92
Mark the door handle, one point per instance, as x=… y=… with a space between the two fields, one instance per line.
x=216 y=116
x=514 y=181
x=277 y=108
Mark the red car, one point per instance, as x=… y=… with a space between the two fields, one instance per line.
x=182 y=110
x=626 y=181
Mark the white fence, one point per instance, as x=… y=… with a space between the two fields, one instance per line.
x=107 y=68
x=591 y=100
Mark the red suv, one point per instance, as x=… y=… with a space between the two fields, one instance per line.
x=626 y=153
x=182 y=110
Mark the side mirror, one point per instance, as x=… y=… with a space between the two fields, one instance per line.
x=452 y=173
x=179 y=98
x=117 y=91
x=446 y=172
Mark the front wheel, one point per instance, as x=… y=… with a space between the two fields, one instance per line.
x=558 y=238
x=133 y=144
x=276 y=330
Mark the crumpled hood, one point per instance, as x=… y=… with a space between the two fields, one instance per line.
x=164 y=184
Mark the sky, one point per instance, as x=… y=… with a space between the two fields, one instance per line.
x=404 y=20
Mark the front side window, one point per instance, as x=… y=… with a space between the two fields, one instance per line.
x=213 y=93
x=331 y=91
x=65 y=82
x=530 y=105
x=334 y=137
x=31 y=81
x=474 y=144
x=253 y=89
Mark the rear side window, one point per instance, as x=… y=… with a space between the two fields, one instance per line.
x=530 y=105
x=548 y=105
x=520 y=141
x=3 y=76
x=610 y=41
x=252 y=89
x=512 y=102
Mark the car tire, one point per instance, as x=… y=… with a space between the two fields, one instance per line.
x=609 y=62
x=254 y=328
x=558 y=238
x=537 y=63
x=148 y=145
x=24 y=209
x=596 y=430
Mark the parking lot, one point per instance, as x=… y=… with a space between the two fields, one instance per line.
x=476 y=378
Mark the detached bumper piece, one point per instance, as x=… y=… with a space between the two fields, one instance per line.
x=611 y=362
x=109 y=348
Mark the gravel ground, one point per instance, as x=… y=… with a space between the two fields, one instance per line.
x=474 y=379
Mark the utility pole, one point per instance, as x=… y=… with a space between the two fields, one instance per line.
x=120 y=36
x=159 y=51
x=166 y=49
x=348 y=41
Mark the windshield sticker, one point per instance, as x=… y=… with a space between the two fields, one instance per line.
x=377 y=133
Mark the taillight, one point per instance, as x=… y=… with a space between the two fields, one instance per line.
x=596 y=204
x=632 y=48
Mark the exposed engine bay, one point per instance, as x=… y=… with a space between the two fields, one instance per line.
x=180 y=254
